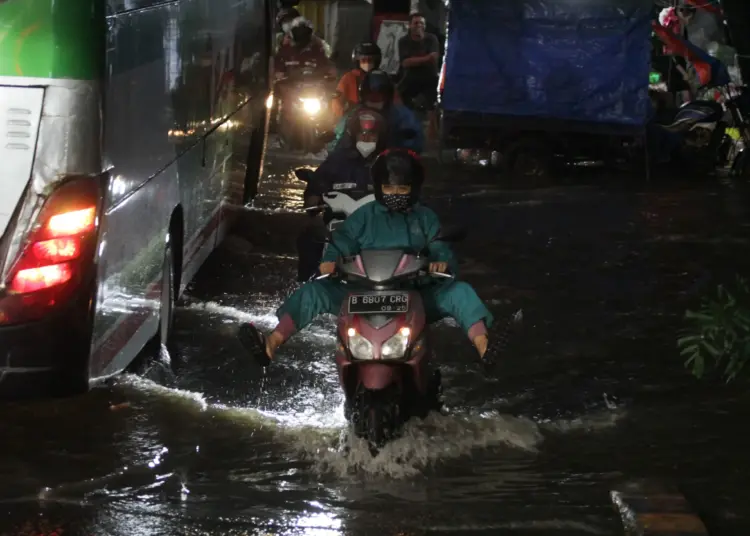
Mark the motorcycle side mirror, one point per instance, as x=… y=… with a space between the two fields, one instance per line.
x=454 y=234
x=327 y=136
x=303 y=174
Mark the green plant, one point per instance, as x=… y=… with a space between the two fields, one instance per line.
x=718 y=334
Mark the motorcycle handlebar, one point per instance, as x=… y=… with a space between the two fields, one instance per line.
x=439 y=275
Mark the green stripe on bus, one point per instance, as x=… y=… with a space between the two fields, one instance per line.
x=52 y=38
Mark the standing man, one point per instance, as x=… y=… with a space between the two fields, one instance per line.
x=419 y=52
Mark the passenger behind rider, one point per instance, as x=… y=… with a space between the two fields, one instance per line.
x=396 y=221
x=376 y=92
x=347 y=169
x=368 y=57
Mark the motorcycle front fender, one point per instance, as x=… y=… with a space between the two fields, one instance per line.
x=378 y=376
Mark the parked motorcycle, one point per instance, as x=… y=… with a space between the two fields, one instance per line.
x=736 y=150
x=306 y=111
x=699 y=130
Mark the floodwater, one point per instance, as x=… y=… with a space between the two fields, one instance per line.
x=591 y=393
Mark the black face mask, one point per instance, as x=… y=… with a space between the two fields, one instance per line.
x=397 y=202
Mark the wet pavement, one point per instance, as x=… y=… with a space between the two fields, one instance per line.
x=591 y=393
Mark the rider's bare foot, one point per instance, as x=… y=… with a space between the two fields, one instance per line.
x=273 y=341
x=481 y=343
x=262 y=348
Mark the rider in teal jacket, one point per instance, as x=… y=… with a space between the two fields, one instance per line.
x=396 y=221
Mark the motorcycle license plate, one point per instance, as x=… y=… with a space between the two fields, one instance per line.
x=364 y=304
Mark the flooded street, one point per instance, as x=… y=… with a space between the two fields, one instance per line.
x=591 y=393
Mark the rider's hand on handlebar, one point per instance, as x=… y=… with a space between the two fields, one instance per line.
x=440 y=267
x=326 y=268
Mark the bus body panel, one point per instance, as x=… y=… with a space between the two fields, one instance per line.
x=183 y=82
x=20 y=115
x=161 y=100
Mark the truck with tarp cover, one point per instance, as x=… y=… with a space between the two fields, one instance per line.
x=535 y=78
x=127 y=127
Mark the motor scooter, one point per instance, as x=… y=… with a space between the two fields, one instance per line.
x=384 y=351
x=305 y=111
x=338 y=204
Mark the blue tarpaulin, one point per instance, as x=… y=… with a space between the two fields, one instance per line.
x=585 y=60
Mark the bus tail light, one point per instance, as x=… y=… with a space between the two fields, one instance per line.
x=52 y=258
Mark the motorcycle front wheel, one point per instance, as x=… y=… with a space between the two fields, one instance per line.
x=378 y=417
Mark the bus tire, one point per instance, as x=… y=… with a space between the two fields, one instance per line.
x=151 y=363
x=168 y=298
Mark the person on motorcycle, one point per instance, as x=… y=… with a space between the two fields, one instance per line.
x=376 y=92
x=284 y=23
x=346 y=169
x=303 y=49
x=396 y=220
x=367 y=56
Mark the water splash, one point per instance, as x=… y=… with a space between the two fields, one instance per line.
x=426 y=443
x=265 y=318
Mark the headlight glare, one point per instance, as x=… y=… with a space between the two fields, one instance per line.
x=360 y=347
x=396 y=346
x=311 y=106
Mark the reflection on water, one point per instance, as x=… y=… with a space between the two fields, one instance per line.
x=223 y=449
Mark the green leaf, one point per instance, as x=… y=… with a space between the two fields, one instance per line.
x=695 y=315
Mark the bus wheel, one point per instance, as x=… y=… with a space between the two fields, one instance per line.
x=155 y=362
x=167 y=305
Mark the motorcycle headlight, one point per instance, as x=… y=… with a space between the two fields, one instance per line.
x=311 y=106
x=396 y=346
x=360 y=347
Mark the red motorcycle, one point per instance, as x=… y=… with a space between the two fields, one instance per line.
x=384 y=353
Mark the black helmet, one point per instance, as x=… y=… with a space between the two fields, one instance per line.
x=377 y=86
x=286 y=16
x=301 y=31
x=397 y=167
x=367 y=50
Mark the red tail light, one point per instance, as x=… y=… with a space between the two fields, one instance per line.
x=72 y=223
x=52 y=261
x=33 y=279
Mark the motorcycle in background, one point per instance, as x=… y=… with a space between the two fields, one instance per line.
x=305 y=111
x=337 y=204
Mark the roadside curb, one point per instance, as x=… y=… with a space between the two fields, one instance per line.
x=649 y=508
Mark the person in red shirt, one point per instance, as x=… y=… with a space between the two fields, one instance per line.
x=367 y=56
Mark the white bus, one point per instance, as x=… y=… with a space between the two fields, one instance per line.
x=128 y=127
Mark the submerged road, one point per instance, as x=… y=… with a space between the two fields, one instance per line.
x=591 y=393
